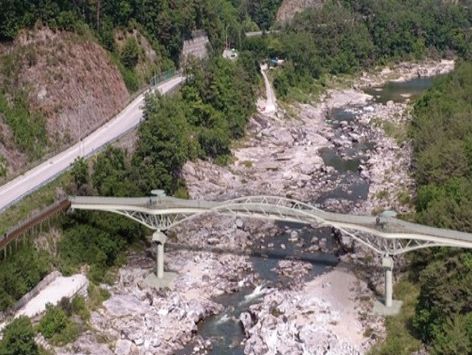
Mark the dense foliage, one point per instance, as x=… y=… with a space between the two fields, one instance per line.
x=97 y=240
x=18 y=338
x=442 y=137
x=20 y=272
x=166 y=23
x=212 y=108
x=56 y=325
x=345 y=36
x=262 y=12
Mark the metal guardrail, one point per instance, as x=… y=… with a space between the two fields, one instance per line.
x=159 y=78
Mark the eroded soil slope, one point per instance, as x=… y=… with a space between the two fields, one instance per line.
x=67 y=80
x=289 y=8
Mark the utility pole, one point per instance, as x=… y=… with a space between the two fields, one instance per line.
x=80 y=139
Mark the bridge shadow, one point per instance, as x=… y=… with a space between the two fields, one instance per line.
x=361 y=269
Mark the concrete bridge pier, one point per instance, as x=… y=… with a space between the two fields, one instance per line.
x=389 y=306
x=387 y=264
x=159 y=278
x=159 y=239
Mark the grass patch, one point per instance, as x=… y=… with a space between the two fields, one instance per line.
x=248 y=164
x=3 y=166
x=404 y=198
x=400 y=339
x=29 y=128
x=399 y=132
x=382 y=195
x=96 y=296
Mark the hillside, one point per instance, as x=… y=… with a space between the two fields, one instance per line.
x=65 y=71
x=65 y=84
x=289 y=8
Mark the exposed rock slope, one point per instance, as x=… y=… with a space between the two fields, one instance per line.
x=289 y=8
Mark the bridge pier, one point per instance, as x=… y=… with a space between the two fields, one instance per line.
x=159 y=278
x=159 y=239
x=389 y=306
x=387 y=264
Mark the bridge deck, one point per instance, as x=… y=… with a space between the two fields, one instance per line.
x=274 y=208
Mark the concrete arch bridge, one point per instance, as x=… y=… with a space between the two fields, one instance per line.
x=383 y=234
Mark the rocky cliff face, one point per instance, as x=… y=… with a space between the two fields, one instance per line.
x=289 y=8
x=69 y=80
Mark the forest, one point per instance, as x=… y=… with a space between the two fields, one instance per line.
x=344 y=37
x=441 y=132
x=166 y=23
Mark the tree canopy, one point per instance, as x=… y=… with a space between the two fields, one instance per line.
x=442 y=134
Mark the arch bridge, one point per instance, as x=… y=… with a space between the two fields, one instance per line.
x=387 y=236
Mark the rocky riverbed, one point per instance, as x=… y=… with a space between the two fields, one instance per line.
x=335 y=153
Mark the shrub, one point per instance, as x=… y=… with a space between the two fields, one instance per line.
x=54 y=320
x=79 y=307
x=18 y=338
x=130 y=53
x=20 y=272
x=3 y=166
x=57 y=327
x=131 y=79
x=455 y=336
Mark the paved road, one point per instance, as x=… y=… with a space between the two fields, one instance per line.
x=125 y=121
x=271 y=101
x=260 y=33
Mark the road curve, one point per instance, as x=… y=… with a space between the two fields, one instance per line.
x=125 y=121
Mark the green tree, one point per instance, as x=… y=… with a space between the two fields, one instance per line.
x=130 y=53
x=80 y=172
x=455 y=336
x=164 y=144
x=442 y=135
x=111 y=174
x=20 y=272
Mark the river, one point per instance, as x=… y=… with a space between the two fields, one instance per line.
x=224 y=330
